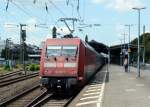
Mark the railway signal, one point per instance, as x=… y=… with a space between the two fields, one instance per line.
x=23 y=35
x=22 y=44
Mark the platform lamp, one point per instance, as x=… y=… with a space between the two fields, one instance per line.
x=138 y=60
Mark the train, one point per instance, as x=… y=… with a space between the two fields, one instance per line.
x=68 y=62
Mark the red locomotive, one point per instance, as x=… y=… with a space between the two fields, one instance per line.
x=67 y=62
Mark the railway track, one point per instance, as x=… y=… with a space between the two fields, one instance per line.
x=51 y=100
x=17 y=79
x=22 y=99
x=3 y=76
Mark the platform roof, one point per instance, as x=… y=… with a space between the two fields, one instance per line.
x=99 y=47
x=117 y=48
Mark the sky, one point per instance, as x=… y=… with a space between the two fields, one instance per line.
x=111 y=15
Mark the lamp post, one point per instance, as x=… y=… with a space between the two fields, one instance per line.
x=138 y=60
x=129 y=26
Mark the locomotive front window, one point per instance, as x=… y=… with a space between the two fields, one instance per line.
x=53 y=51
x=69 y=50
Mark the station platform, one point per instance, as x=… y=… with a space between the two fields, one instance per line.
x=122 y=90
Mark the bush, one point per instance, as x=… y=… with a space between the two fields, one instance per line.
x=6 y=67
x=37 y=67
x=34 y=67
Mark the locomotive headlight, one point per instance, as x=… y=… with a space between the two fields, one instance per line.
x=47 y=65
x=70 y=64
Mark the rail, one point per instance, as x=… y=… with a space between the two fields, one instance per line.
x=14 y=80
x=5 y=103
x=49 y=98
x=9 y=74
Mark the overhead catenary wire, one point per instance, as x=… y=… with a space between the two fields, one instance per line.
x=78 y=10
x=57 y=8
x=24 y=11
x=84 y=7
x=21 y=9
x=48 y=13
x=51 y=17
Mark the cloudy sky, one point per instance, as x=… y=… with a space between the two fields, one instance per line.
x=112 y=15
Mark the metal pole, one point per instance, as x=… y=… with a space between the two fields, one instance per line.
x=20 y=44
x=22 y=56
x=144 y=45
x=124 y=50
x=124 y=40
x=121 y=53
x=124 y=34
x=129 y=52
x=138 y=60
x=129 y=29
x=6 y=48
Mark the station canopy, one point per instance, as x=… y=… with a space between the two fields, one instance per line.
x=117 y=48
x=118 y=51
x=99 y=47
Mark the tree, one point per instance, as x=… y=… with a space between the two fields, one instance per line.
x=3 y=53
x=145 y=41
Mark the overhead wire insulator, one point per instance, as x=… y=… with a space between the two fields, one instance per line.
x=67 y=2
x=34 y=1
x=78 y=5
x=46 y=7
x=7 y=5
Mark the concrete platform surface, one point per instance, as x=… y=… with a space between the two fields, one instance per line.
x=92 y=94
x=126 y=89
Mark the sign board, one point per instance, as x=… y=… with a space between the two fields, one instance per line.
x=129 y=50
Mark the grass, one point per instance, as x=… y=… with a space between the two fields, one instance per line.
x=3 y=70
x=30 y=67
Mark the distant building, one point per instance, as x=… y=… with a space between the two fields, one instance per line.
x=32 y=52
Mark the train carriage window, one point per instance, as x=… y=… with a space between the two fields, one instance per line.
x=53 y=50
x=69 y=50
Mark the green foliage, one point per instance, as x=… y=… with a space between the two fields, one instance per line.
x=34 y=67
x=37 y=67
x=6 y=67
x=145 y=41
